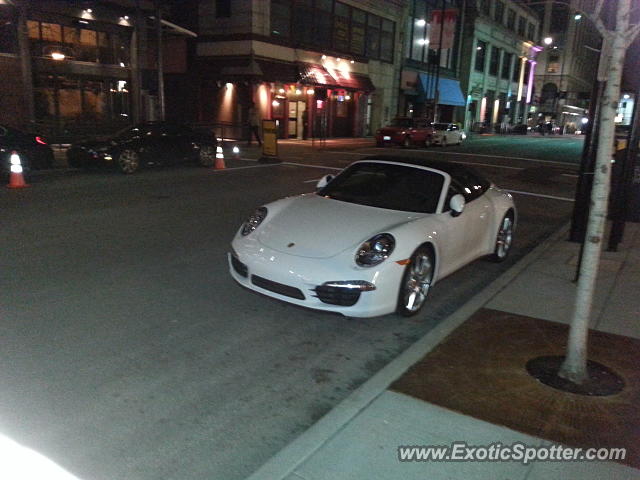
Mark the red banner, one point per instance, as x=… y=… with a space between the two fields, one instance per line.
x=446 y=24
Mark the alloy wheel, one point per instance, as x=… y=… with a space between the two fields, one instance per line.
x=504 y=238
x=417 y=281
x=128 y=161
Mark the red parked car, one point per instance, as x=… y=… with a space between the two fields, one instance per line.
x=407 y=132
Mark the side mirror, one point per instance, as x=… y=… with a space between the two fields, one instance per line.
x=324 y=181
x=456 y=204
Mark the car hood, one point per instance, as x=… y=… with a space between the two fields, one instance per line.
x=318 y=227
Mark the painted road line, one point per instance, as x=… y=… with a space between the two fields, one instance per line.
x=540 y=195
x=323 y=167
x=488 y=165
x=244 y=168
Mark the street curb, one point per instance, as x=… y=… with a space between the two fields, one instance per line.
x=283 y=463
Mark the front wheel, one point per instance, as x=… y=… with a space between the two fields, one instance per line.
x=207 y=156
x=504 y=239
x=416 y=282
x=129 y=161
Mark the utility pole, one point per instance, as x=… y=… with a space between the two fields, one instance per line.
x=160 y=59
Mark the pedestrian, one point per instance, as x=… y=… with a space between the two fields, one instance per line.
x=254 y=124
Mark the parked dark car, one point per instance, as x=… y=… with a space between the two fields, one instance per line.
x=33 y=149
x=405 y=131
x=143 y=145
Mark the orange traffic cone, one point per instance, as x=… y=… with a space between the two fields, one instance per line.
x=16 y=180
x=219 y=165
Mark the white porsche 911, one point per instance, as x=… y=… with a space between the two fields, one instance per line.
x=374 y=239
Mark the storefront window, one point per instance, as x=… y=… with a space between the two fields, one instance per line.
x=8 y=31
x=70 y=99
x=78 y=44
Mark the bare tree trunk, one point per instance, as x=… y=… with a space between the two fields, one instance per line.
x=574 y=367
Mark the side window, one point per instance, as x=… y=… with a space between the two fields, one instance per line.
x=473 y=186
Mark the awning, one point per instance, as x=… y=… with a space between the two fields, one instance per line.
x=239 y=69
x=449 y=92
x=313 y=74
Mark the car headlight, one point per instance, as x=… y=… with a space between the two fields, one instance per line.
x=254 y=220
x=375 y=250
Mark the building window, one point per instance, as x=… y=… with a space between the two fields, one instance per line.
x=386 y=40
x=323 y=19
x=481 y=55
x=303 y=21
x=223 y=8
x=341 y=19
x=498 y=13
x=495 y=61
x=531 y=32
x=553 y=65
x=485 y=7
x=511 y=20
x=373 y=36
x=8 y=31
x=522 y=23
x=281 y=18
x=358 y=29
x=506 y=65
x=516 y=69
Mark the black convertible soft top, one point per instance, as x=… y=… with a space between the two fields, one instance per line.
x=459 y=172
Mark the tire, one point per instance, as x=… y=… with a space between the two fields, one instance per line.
x=504 y=239
x=406 y=143
x=444 y=142
x=427 y=142
x=128 y=161
x=207 y=156
x=416 y=282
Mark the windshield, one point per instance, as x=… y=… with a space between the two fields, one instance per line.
x=440 y=126
x=401 y=122
x=383 y=185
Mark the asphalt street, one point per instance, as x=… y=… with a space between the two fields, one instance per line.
x=127 y=351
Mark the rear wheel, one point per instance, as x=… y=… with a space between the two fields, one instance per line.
x=129 y=161
x=416 y=282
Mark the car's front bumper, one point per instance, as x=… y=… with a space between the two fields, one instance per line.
x=308 y=281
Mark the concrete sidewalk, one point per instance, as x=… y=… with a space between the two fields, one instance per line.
x=359 y=439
